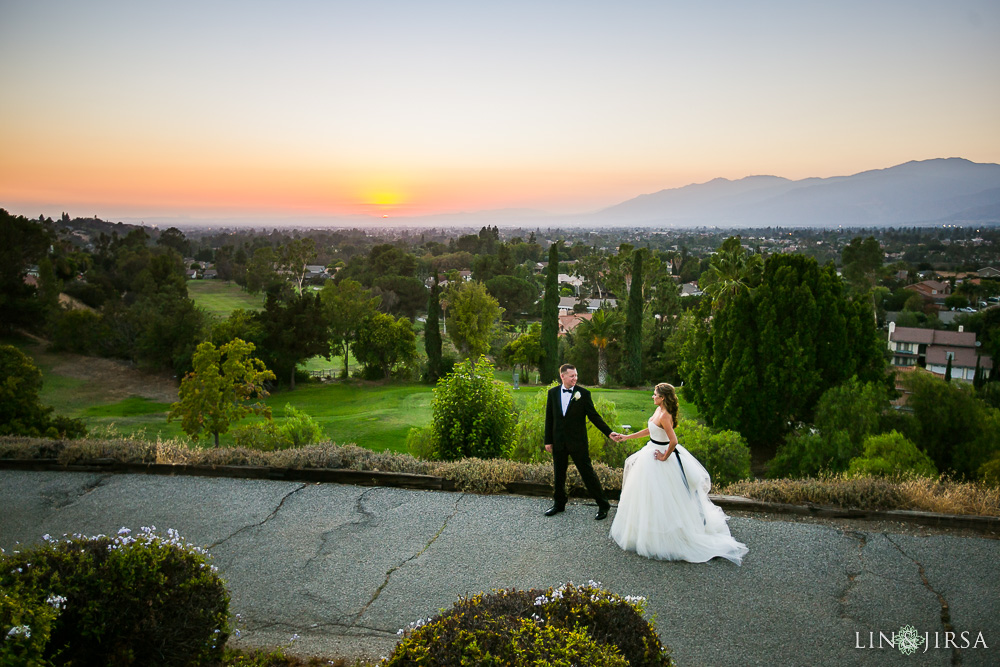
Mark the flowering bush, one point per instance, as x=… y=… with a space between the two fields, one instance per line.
x=143 y=599
x=25 y=626
x=584 y=625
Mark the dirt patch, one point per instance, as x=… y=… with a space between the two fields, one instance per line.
x=115 y=380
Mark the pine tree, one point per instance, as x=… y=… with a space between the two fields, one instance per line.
x=548 y=369
x=632 y=373
x=432 y=334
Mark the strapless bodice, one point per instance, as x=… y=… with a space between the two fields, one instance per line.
x=655 y=432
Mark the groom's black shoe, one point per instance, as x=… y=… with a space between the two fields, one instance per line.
x=602 y=513
x=555 y=509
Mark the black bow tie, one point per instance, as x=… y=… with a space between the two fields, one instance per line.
x=568 y=391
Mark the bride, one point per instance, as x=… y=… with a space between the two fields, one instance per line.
x=664 y=511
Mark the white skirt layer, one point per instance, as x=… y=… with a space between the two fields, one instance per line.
x=660 y=517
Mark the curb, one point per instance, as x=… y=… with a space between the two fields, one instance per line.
x=982 y=524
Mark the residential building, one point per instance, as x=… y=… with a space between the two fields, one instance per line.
x=931 y=349
x=568 y=303
x=931 y=291
x=691 y=289
x=571 y=321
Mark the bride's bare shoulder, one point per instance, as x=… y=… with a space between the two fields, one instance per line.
x=662 y=419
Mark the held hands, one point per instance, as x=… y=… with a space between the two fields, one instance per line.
x=617 y=437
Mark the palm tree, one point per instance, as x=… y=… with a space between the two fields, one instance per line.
x=730 y=271
x=601 y=330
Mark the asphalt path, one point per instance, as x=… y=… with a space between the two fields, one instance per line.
x=345 y=567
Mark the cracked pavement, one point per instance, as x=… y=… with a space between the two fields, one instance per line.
x=345 y=567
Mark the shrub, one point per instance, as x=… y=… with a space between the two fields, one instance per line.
x=422 y=443
x=891 y=455
x=25 y=626
x=526 y=445
x=128 y=600
x=958 y=431
x=474 y=415
x=297 y=429
x=989 y=472
x=260 y=435
x=810 y=454
x=725 y=454
x=78 y=331
x=566 y=625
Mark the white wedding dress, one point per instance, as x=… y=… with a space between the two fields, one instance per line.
x=664 y=511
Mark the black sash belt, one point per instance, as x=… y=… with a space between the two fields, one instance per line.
x=683 y=474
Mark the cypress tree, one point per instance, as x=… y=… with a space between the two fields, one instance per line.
x=548 y=369
x=768 y=354
x=947 y=370
x=432 y=334
x=632 y=375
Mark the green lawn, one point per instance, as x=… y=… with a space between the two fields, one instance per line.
x=220 y=298
x=373 y=415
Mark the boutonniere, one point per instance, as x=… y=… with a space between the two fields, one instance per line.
x=576 y=396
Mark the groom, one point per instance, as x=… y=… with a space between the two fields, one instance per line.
x=566 y=412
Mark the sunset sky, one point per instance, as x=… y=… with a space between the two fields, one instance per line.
x=251 y=109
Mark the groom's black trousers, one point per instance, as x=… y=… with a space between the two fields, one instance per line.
x=581 y=459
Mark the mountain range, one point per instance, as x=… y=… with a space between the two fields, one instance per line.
x=940 y=191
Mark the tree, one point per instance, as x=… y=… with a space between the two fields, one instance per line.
x=262 y=273
x=768 y=354
x=219 y=389
x=409 y=294
x=296 y=327
x=515 y=295
x=525 y=350
x=432 y=334
x=385 y=342
x=862 y=261
x=591 y=268
x=601 y=330
x=548 y=369
x=23 y=242
x=174 y=238
x=731 y=270
x=295 y=257
x=632 y=371
x=347 y=306
x=474 y=317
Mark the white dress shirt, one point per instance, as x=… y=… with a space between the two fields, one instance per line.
x=566 y=398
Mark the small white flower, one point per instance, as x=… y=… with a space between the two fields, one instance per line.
x=19 y=631
x=57 y=601
x=576 y=396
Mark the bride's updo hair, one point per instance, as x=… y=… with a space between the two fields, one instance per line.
x=666 y=391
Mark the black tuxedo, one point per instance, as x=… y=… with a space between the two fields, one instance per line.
x=568 y=436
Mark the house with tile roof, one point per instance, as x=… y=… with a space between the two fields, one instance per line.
x=931 y=291
x=931 y=349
